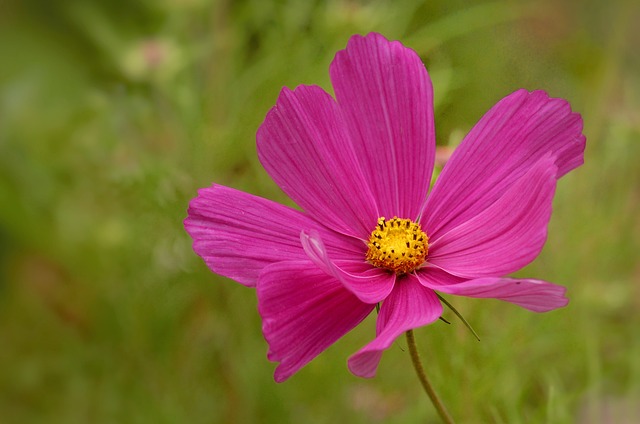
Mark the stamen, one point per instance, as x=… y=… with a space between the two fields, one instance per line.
x=398 y=245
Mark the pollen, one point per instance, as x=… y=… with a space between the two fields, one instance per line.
x=398 y=245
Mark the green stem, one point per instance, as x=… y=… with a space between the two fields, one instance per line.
x=417 y=364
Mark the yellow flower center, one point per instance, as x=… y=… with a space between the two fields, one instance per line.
x=398 y=245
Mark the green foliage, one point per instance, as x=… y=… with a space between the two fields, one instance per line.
x=113 y=114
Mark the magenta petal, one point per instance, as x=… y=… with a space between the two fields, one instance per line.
x=431 y=276
x=505 y=236
x=409 y=305
x=304 y=311
x=535 y=295
x=369 y=284
x=515 y=134
x=238 y=234
x=386 y=95
x=303 y=144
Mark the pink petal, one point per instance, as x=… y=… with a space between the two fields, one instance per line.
x=304 y=146
x=432 y=276
x=409 y=305
x=505 y=236
x=238 y=234
x=304 y=311
x=515 y=134
x=535 y=295
x=386 y=95
x=369 y=284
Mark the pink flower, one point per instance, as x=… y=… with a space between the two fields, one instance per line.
x=370 y=231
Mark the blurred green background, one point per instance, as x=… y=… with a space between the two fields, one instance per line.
x=113 y=114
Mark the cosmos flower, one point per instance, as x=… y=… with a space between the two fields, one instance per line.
x=369 y=230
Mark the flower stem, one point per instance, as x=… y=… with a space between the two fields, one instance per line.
x=417 y=364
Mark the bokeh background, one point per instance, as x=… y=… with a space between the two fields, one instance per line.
x=113 y=113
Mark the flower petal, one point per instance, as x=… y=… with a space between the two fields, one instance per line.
x=237 y=234
x=534 y=295
x=505 y=236
x=368 y=283
x=515 y=134
x=304 y=311
x=386 y=95
x=304 y=146
x=432 y=276
x=409 y=305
